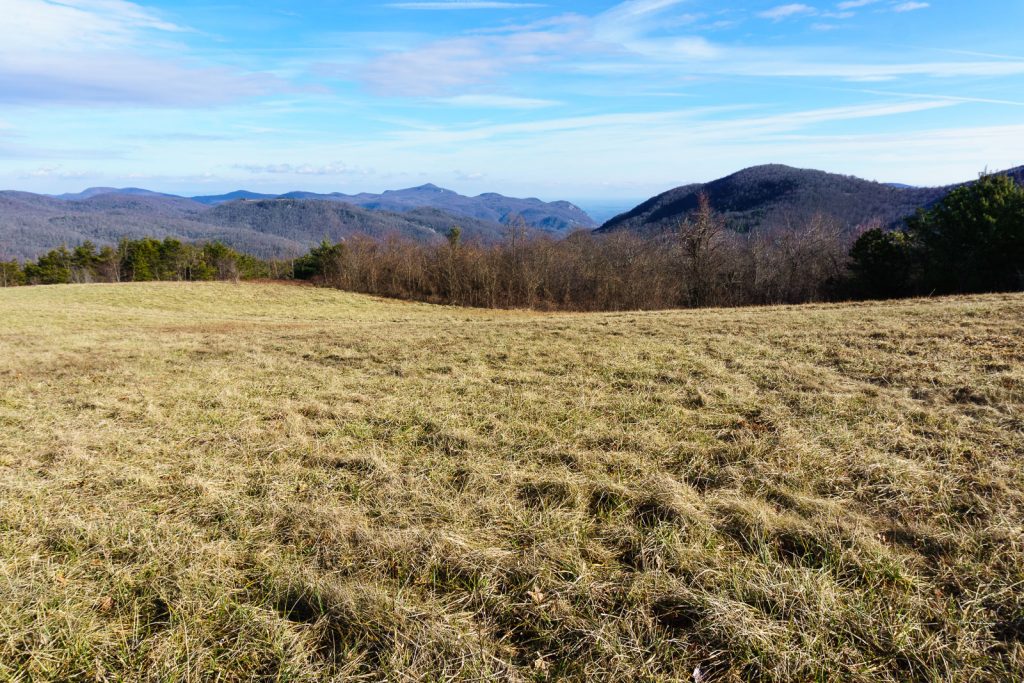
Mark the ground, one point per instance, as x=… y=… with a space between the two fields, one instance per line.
x=266 y=482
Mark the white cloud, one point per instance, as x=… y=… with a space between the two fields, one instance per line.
x=694 y=124
x=462 y=5
x=455 y=66
x=853 y=4
x=822 y=68
x=78 y=24
x=635 y=9
x=952 y=98
x=786 y=11
x=452 y=67
x=627 y=40
x=568 y=155
x=498 y=102
x=106 y=51
x=910 y=6
x=58 y=172
x=335 y=168
x=117 y=79
x=627 y=20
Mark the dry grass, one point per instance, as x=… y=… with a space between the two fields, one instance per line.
x=258 y=482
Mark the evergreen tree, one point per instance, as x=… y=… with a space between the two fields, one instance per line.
x=53 y=268
x=83 y=262
x=880 y=261
x=973 y=240
x=141 y=259
x=11 y=274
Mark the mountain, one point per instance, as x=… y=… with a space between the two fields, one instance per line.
x=95 y=191
x=308 y=221
x=266 y=225
x=553 y=217
x=152 y=204
x=232 y=196
x=775 y=195
x=751 y=199
x=31 y=224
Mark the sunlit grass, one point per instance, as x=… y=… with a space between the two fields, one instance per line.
x=268 y=482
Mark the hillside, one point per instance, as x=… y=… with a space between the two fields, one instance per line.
x=31 y=224
x=265 y=225
x=307 y=221
x=554 y=217
x=268 y=482
x=91 y=192
x=775 y=195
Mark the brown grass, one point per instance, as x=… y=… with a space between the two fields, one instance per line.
x=258 y=482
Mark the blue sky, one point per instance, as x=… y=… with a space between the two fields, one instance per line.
x=552 y=99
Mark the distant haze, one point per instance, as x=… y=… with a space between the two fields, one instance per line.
x=602 y=210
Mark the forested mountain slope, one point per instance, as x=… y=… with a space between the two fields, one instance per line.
x=551 y=217
x=776 y=195
x=31 y=224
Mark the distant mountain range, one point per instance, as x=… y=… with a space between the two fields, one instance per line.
x=496 y=208
x=267 y=225
x=283 y=225
x=775 y=195
x=96 y=191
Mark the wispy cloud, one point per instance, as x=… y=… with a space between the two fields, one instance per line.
x=56 y=171
x=786 y=11
x=498 y=102
x=637 y=94
x=110 y=79
x=336 y=168
x=636 y=9
x=629 y=39
x=824 y=68
x=910 y=6
x=953 y=98
x=853 y=4
x=455 y=5
x=700 y=123
x=107 y=52
x=449 y=67
x=77 y=24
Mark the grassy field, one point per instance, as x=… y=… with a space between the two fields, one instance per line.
x=263 y=482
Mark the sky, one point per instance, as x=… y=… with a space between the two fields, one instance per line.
x=559 y=100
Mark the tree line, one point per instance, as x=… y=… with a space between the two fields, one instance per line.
x=703 y=263
x=139 y=260
x=971 y=241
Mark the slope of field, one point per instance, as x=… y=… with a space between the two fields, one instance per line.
x=264 y=482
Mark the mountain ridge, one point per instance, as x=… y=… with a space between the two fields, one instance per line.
x=754 y=198
x=557 y=216
x=264 y=224
x=775 y=195
x=31 y=224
